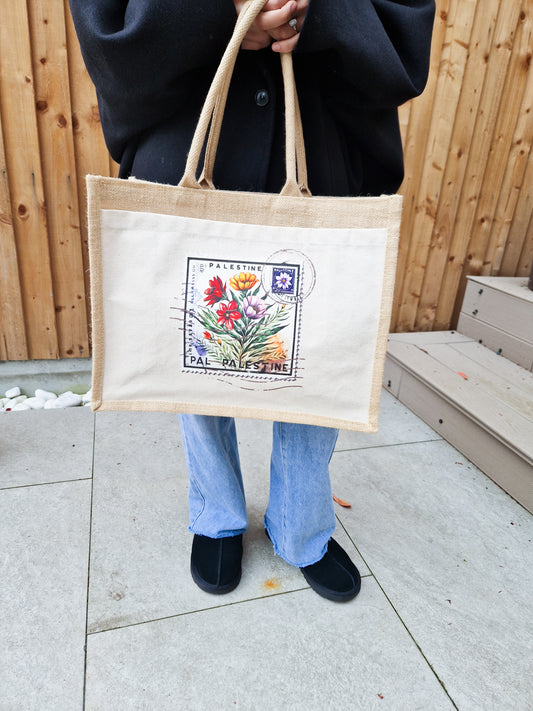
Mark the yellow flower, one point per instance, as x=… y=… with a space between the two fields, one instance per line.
x=243 y=281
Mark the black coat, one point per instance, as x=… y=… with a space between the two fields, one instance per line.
x=356 y=61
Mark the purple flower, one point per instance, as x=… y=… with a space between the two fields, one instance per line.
x=253 y=307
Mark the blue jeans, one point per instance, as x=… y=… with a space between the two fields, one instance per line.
x=300 y=517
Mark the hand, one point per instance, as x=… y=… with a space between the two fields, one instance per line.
x=286 y=37
x=271 y=23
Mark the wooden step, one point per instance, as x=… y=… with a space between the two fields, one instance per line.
x=477 y=400
x=498 y=312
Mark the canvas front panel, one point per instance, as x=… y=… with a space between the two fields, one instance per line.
x=218 y=314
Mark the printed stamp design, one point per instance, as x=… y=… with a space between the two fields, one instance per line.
x=235 y=321
x=283 y=280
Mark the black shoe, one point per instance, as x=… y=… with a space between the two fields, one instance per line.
x=216 y=563
x=334 y=576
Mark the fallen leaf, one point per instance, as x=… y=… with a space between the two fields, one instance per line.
x=341 y=502
x=462 y=375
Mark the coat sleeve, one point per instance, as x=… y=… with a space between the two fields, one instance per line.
x=376 y=51
x=136 y=52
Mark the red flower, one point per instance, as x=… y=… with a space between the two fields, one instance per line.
x=207 y=334
x=216 y=291
x=228 y=314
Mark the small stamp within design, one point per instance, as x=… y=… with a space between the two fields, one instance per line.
x=283 y=280
x=236 y=322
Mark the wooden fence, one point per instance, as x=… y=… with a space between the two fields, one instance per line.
x=468 y=185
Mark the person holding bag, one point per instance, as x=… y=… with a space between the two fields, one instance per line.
x=355 y=61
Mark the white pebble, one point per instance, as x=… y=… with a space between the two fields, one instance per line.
x=21 y=406
x=45 y=395
x=67 y=399
x=16 y=400
x=36 y=403
x=49 y=404
x=86 y=399
x=13 y=392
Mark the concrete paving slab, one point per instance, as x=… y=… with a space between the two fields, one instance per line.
x=44 y=446
x=140 y=543
x=397 y=425
x=45 y=547
x=293 y=651
x=454 y=554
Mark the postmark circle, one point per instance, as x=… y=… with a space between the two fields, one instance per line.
x=288 y=276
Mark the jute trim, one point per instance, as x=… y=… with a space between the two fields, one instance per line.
x=232 y=411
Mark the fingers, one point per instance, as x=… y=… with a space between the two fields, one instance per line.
x=273 y=24
x=273 y=5
x=283 y=33
x=285 y=45
x=255 y=44
x=286 y=38
x=256 y=39
x=269 y=20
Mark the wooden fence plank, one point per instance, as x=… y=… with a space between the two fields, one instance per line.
x=458 y=151
x=525 y=264
x=13 y=344
x=518 y=155
x=17 y=107
x=452 y=69
x=525 y=224
x=414 y=142
x=404 y=112
x=508 y=147
x=459 y=260
x=478 y=261
x=92 y=157
x=113 y=168
x=518 y=253
x=47 y=25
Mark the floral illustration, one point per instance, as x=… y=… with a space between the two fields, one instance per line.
x=243 y=281
x=283 y=280
x=228 y=313
x=254 y=307
x=241 y=324
x=216 y=291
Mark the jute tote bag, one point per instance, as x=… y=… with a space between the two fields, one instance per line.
x=241 y=304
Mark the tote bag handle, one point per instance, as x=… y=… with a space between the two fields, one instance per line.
x=210 y=121
x=206 y=179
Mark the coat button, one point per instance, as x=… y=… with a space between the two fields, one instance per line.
x=261 y=97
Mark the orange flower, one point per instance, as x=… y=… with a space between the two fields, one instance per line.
x=243 y=281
